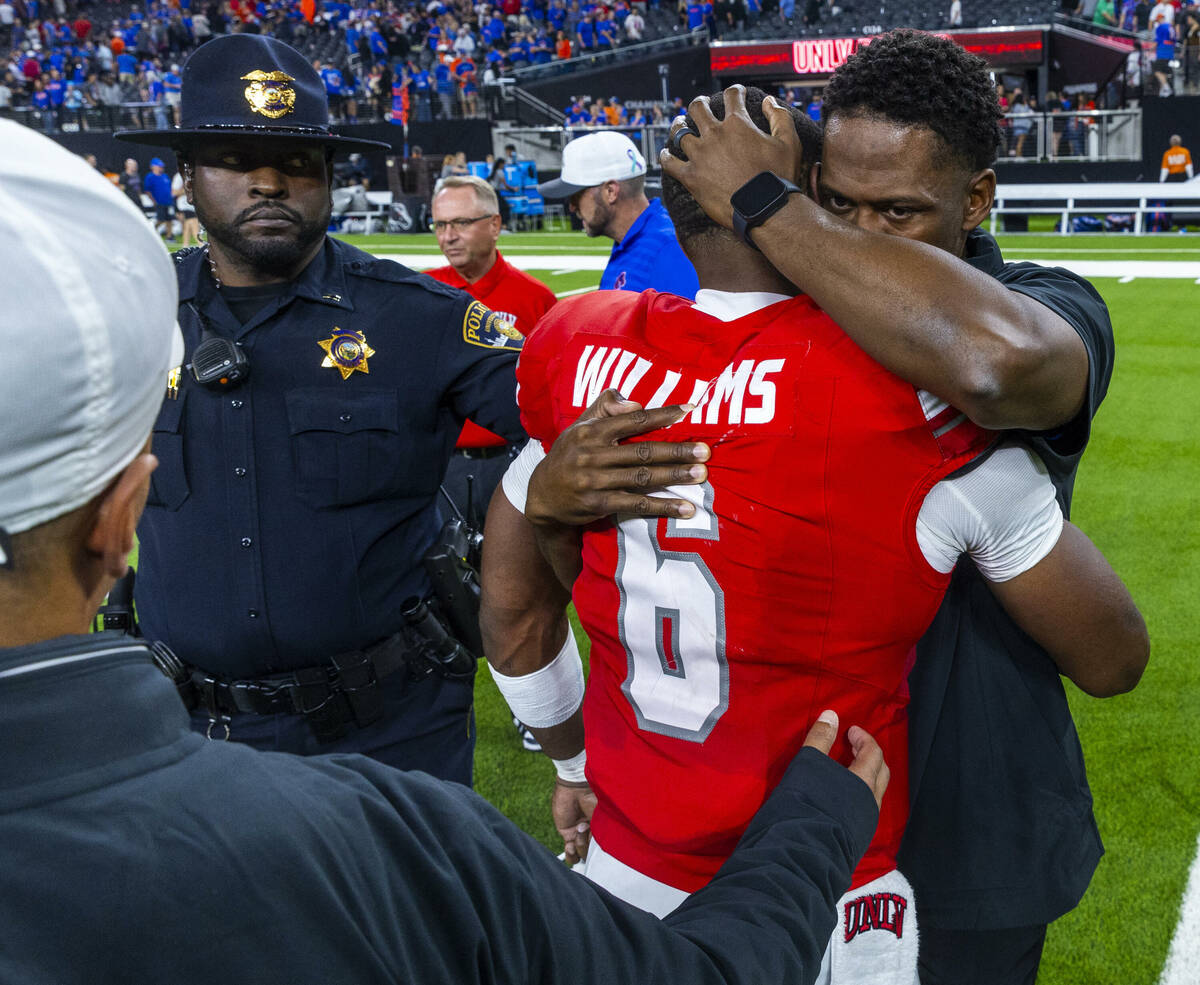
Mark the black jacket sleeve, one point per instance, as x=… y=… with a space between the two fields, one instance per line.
x=500 y=908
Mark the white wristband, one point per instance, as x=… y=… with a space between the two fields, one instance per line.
x=551 y=694
x=571 y=769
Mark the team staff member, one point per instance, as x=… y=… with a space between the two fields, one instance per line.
x=140 y=852
x=290 y=513
x=1176 y=162
x=603 y=178
x=993 y=855
x=466 y=221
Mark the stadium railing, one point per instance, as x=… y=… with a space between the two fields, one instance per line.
x=598 y=58
x=1140 y=200
x=1082 y=135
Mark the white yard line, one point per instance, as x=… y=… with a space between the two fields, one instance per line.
x=1151 y=269
x=1085 y=250
x=578 y=290
x=1183 y=958
x=537 y=261
x=560 y=263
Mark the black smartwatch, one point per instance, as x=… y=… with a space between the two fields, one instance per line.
x=757 y=200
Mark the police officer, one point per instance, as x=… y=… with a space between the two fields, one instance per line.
x=302 y=442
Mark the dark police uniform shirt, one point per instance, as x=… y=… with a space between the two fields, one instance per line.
x=133 y=850
x=288 y=517
x=1001 y=832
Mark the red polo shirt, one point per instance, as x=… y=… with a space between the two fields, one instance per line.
x=514 y=296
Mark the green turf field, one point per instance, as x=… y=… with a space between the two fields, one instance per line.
x=1137 y=495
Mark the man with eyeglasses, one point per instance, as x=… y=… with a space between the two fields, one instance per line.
x=466 y=221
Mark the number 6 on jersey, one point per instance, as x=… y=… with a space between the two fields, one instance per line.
x=672 y=623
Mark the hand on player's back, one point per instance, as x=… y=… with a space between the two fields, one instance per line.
x=571 y=805
x=589 y=473
x=868 y=764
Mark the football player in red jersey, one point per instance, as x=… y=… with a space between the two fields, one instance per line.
x=810 y=560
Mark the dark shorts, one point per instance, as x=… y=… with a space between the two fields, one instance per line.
x=164 y=213
x=1162 y=65
x=980 y=957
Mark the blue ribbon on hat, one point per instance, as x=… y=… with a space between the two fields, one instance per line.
x=633 y=159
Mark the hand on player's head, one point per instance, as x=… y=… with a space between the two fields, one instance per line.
x=867 y=765
x=730 y=137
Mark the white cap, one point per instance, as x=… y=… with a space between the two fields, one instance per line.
x=88 y=302
x=593 y=159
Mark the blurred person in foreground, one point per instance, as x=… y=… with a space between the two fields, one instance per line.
x=604 y=181
x=131 y=849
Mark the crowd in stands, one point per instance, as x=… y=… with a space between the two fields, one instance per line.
x=80 y=62
x=96 y=63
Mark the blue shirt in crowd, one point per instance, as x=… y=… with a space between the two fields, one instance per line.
x=158 y=187
x=650 y=257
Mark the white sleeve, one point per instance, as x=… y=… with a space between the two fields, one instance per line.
x=516 y=479
x=1003 y=514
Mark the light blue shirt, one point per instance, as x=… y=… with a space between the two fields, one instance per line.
x=650 y=257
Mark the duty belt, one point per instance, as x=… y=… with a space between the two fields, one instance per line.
x=489 y=451
x=330 y=696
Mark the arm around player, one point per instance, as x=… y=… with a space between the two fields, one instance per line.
x=1002 y=358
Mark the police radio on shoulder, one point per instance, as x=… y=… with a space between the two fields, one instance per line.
x=757 y=200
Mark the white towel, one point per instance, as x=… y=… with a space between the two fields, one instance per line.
x=875 y=942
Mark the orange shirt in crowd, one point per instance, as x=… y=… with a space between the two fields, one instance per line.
x=1176 y=160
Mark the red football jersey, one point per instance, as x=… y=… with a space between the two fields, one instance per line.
x=517 y=298
x=797 y=586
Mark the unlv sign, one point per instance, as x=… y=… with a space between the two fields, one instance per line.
x=822 y=57
x=1001 y=47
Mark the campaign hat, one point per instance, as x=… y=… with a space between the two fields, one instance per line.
x=250 y=85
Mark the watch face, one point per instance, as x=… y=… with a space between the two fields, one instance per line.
x=757 y=193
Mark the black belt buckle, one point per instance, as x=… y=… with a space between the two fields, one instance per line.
x=482 y=453
x=360 y=685
x=322 y=706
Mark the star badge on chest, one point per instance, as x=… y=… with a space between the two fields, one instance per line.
x=346 y=351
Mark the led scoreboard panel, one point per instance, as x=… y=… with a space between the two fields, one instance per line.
x=819 y=57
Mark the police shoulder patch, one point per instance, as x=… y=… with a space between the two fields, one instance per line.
x=488 y=329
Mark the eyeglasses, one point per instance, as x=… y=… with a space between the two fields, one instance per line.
x=458 y=225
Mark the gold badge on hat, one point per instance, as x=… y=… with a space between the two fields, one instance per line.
x=269 y=94
x=346 y=352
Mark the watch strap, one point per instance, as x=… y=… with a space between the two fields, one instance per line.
x=743 y=223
